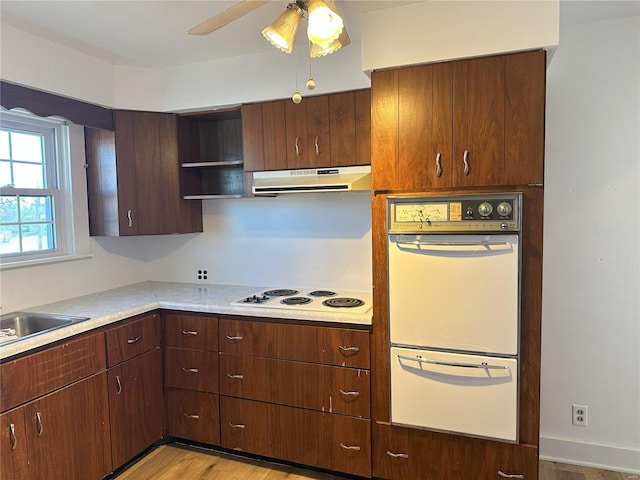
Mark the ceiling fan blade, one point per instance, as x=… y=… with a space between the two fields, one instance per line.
x=344 y=36
x=227 y=16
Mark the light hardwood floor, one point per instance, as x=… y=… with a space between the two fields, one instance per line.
x=181 y=462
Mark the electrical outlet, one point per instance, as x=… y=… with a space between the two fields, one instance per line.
x=202 y=274
x=579 y=415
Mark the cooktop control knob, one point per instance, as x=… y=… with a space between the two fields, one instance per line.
x=504 y=209
x=485 y=209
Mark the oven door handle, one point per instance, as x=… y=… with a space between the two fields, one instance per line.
x=482 y=243
x=483 y=365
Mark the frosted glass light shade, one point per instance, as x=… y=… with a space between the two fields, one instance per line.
x=282 y=32
x=325 y=25
x=316 y=50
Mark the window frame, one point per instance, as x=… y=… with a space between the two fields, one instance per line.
x=58 y=184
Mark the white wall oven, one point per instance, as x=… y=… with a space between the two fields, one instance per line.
x=454 y=303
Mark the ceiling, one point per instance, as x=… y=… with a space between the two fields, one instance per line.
x=152 y=33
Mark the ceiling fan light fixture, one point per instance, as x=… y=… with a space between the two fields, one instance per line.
x=316 y=50
x=325 y=25
x=282 y=32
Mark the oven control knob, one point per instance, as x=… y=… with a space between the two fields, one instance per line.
x=485 y=209
x=470 y=212
x=504 y=209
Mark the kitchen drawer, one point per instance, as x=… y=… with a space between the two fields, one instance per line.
x=401 y=453
x=327 y=345
x=307 y=385
x=496 y=460
x=34 y=375
x=133 y=338
x=189 y=331
x=191 y=369
x=319 y=439
x=193 y=416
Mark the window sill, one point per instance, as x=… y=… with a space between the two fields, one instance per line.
x=42 y=261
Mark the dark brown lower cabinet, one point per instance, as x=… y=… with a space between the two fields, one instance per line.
x=61 y=435
x=136 y=405
x=193 y=415
x=401 y=453
x=319 y=439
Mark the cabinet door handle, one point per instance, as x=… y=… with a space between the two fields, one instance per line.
x=465 y=160
x=236 y=425
x=235 y=338
x=194 y=416
x=118 y=385
x=134 y=340
x=39 y=427
x=438 y=165
x=317 y=147
x=351 y=394
x=189 y=332
x=297 y=147
x=129 y=218
x=512 y=475
x=397 y=455
x=236 y=375
x=190 y=370
x=345 y=349
x=12 y=436
x=349 y=447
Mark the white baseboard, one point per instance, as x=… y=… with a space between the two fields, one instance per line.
x=607 y=457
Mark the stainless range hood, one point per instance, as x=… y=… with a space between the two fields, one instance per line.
x=333 y=179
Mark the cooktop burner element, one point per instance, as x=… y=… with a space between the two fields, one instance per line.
x=343 y=302
x=280 y=292
x=295 y=300
x=322 y=293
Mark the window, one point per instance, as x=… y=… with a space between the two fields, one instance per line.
x=34 y=192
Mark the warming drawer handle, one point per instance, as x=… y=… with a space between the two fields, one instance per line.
x=510 y=475
x=134 y=340
x=438 y=165
x=235 y=337
x=349 y=447
x=190 y=370
x=351 y=394
x=236 y=425
x=348 y=349
x=483 y=365
x=236 y=375
x=482 y=243
x=39 y=423
x=189 y=332
x=12 y=436
x=465 y=160
x=397 y=455
x=194 y=416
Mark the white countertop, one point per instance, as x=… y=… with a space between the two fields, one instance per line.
x=113 y=305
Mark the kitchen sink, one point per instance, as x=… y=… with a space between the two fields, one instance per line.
x=15 y=326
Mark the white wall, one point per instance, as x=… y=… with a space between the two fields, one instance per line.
x=591 y=292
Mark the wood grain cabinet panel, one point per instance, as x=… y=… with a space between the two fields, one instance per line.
x=297 y=145
x=316 y=387
x=33 y=375
x=276 y=148
x=132 y=338
x=193 y=416
x=244 y=426
x=13 y=445
x=326 y=345
x=191 y=369
x=191 y=331
x=320 y=149
x=252 y=137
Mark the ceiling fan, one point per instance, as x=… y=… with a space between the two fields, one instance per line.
x=324 y=38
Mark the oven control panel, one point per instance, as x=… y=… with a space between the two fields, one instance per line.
x=490 y=212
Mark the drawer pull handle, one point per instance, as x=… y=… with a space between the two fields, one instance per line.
x=507 y=475
x=297 y=147
x=12 y=436
x=191 y=416
x=348 y=349
x=119 y=385
x=397 y=455
x=39 y=423
x=317 y=147
x=235 y=338
x=438 y=165
x=352 y=394
x=235 y=375
x=189 y=332
x=190 y=370
x=134 y=340
x=465 y=160
x=129 y=219
x=349 y=447
x=236 y=425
